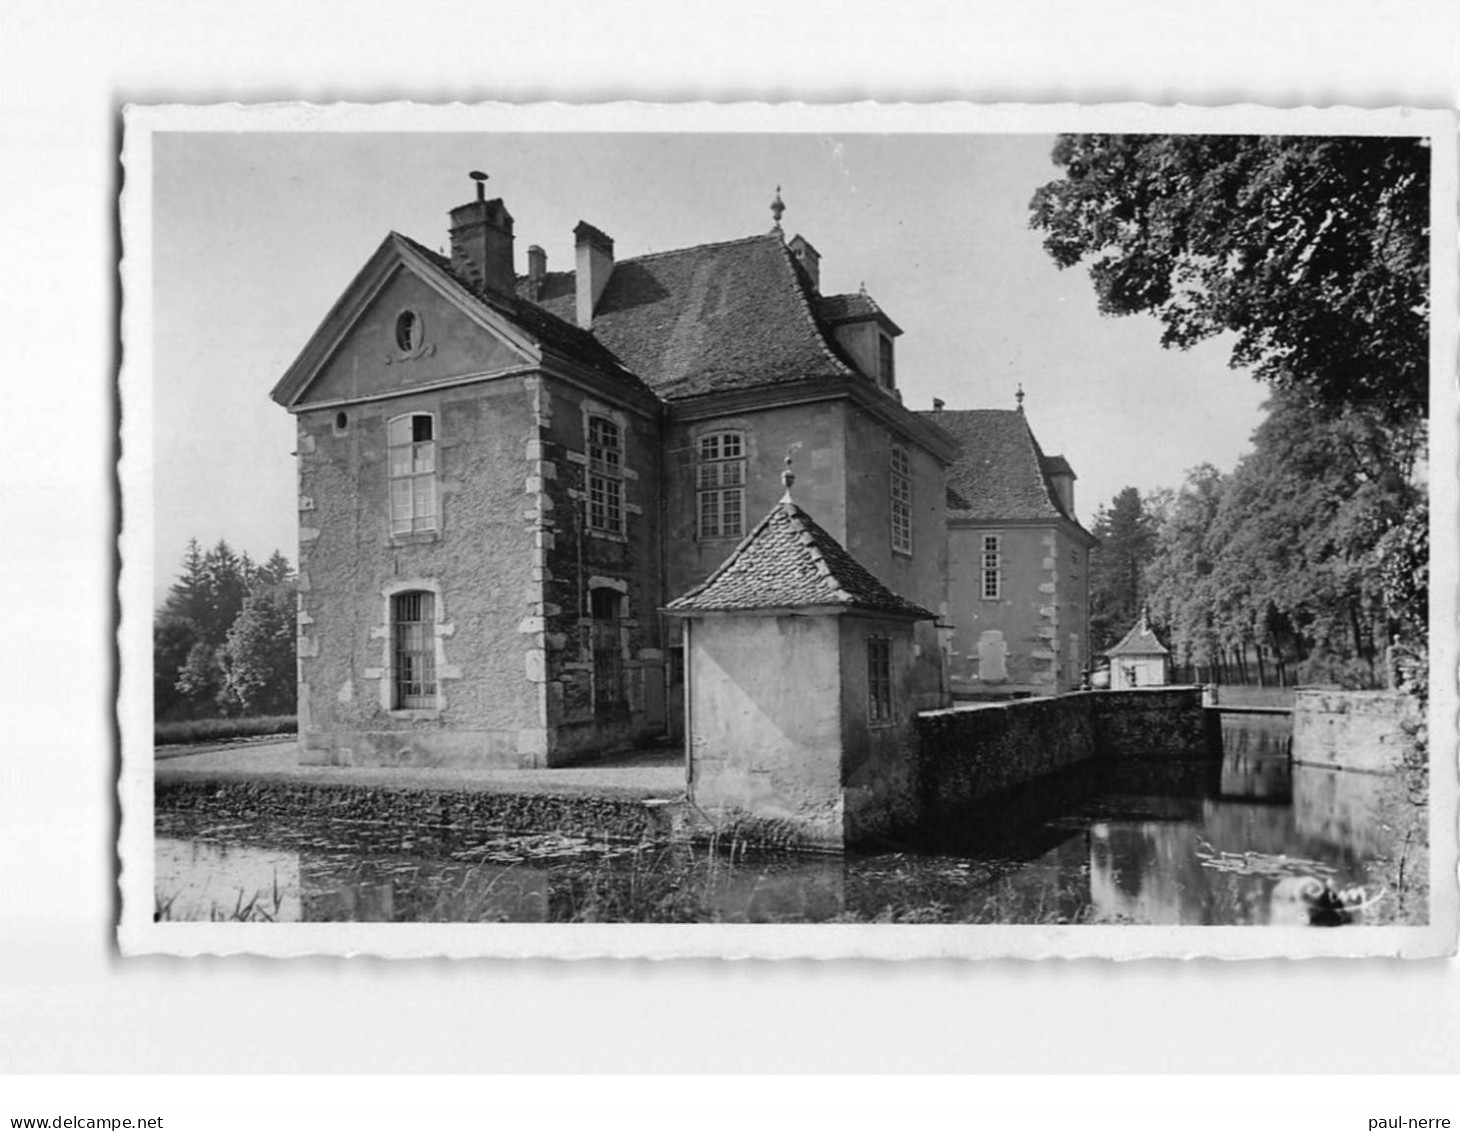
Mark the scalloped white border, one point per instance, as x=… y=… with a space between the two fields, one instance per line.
x=137 y=934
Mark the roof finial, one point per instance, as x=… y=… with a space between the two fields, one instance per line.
x=1019 y=396
x=1144 y=613
x=788 y=477
x=481 y=180
x=778 y=206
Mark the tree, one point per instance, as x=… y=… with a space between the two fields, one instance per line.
x=1127 y=536
x=192 y=629
x=1287 y=557
x=258 y=658
x=1313 y=251
x=1179 y=577
x=201 y=676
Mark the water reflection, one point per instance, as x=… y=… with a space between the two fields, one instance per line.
x=1249 y=839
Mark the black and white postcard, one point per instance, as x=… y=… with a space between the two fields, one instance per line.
x=785 y=531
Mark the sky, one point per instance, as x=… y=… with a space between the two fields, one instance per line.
x=255 y=235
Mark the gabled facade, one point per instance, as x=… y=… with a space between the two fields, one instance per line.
x=1018 y=561
x=504 y=479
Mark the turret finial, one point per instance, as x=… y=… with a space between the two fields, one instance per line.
x=1019 y=396
x=778 y=207
x=788 y=477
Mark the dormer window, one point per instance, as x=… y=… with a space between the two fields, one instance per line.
x=885 y=375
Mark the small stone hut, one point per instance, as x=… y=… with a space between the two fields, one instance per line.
x=1140 y=659
x=803 y=680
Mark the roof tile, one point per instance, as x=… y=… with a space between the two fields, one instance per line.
x=835 y=309
x=788 y=561
x=706 y=319
x=1001 y=474
x=1141 y=640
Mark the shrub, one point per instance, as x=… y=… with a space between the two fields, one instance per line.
x=216 y=730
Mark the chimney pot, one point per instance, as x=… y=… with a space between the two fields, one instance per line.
x=593 y=263
x=937 y=404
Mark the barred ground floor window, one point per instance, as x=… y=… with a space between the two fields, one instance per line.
x=413 y=636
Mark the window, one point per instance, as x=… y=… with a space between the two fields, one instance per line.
x=901 y=486
x=722 y=485
x=990 y=586
x=413 y=631
x=884 y=361
x=608 y=660
x=879 y=678
x=412 y=473
x=605 y=475
x=407 y=331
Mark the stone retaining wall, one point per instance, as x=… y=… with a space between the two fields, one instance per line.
x=1155 y=722
x=572 y=814
x=966 y=754
x=1354 y=730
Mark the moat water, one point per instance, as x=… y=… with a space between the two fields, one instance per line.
x=1245 y=839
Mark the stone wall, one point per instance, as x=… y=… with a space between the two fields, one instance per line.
x=966 y=754
x=476 y=564
x=1354 y=730
x=1157 y=722
x=617 y=818
x=573 y=560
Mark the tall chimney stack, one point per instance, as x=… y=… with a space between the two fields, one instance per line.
x=536 y=271
x=593 y=266
x=481 y=243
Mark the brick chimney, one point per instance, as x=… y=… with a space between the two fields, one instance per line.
x=536 y=271
x=481 y=244
x=809 y=259
x=594 y=264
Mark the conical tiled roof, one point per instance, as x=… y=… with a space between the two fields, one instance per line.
x=788 y=561
x=1139 y=641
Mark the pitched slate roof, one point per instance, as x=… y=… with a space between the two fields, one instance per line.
x=1139 y=641
x=788 y=561
x=563 y=337
x=836 y=309
x=706 y=319
x=1001 y=474
x=1058 y=465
